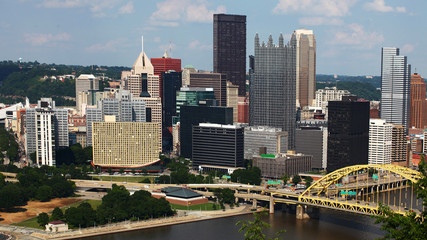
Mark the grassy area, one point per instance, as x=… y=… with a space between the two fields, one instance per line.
x=122 y=178
x=94 y=203
x=204 y=207
x=32 y=222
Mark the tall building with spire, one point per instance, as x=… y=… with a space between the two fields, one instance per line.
x=144 y=84
x=272 y=87
x=395 y=87
x=164 y=64
x=418 y=103
x=229 y=48
x=304 y=43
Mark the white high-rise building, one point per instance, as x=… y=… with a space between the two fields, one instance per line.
x=84 y=83
x=425 y=141
x=323 y=96
x=395 y=87
x=47 y=131
x=380 y=141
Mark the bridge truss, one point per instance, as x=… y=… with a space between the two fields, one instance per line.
x=360 y=188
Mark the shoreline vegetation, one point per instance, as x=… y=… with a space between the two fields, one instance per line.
x=182 y=217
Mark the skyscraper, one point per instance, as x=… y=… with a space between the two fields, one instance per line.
x=272 y=91
x=165 y=64
x=348 y=133
x=380 y=141
x=305 y=53
x=47 y=131
x=193 y=115
x=84 y=83
x=217 y=145
x=229 y=48
x=172 y=82
x=395 y=75
x=418 y=103
x=216 y=81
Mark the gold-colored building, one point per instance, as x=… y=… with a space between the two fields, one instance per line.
x=125 y=144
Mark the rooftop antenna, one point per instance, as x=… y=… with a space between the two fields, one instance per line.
x=142 y=44
x=170 y=47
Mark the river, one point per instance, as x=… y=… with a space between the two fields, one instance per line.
x=330 y=225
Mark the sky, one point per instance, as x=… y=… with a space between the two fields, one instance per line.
x=349 y=33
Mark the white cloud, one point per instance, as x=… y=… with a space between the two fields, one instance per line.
x=109 y=46
x=97 y=7
x=127 y=9
x=197 y=45
x=355 y=35
x=380 y=6
x=407 y=48
x=317 y=21
x=39 y=39
x=171 y=12
x=330 y=8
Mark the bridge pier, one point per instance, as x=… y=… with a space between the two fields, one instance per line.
x=271 y=205
x=254 y=204
x=301 y=212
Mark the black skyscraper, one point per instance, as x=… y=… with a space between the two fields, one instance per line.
x=229 y=48
x=217 y=145
x=172 y=82
x=348 y=133
x=193 y=115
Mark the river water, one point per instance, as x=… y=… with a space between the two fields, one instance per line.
x=330 y=225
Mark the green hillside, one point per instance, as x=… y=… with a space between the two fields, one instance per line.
x=27 y=81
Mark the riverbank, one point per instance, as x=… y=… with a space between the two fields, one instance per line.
x=181 y=218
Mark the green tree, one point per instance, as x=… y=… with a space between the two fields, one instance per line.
x=12 y=153
x=225 y=196
x=285 y=178
x=296 y=179
x=42 y=219
x=164 y=179
x=410 y=225
x=308 y=180
x=254 y=230
x=57 y=214
x=44 y=193
x=11 y=195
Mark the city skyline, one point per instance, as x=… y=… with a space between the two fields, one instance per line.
x=349 y=33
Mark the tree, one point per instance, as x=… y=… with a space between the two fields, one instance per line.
x=308 y=180
x=296 y=179
x=285 y=178
x=254 y=229
x=225 y=196
x=42 y=219
x=57 y=214
x=11 y=195
x=408 y=226
x=44 y=193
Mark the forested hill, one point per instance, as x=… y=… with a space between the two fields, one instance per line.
x=34 y=80
x=360 y=86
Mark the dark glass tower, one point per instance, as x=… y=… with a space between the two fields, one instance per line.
x=348 y=133
x=172 y=82
x=272 y=87
x=229 y=48
x=193 y=115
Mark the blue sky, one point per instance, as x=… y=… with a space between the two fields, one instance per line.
x=349 y=33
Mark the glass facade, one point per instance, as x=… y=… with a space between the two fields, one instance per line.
x=395 y=87
x=272 y=97
x=229 y=48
